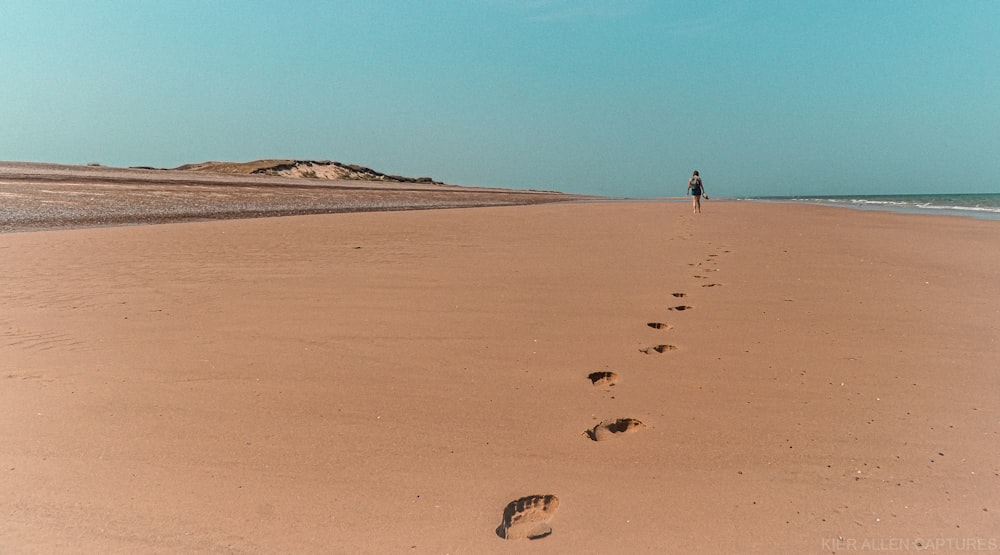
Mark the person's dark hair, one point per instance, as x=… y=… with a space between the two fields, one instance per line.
x=695 y=172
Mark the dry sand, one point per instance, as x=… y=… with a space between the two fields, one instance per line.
x=395 y=382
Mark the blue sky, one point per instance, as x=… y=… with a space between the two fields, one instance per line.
x=617 y=97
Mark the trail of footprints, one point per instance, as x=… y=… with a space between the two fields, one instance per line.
x=529 y=517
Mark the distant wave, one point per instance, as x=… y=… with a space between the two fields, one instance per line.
x=972 y=205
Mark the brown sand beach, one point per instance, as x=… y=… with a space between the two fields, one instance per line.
x=608 y=377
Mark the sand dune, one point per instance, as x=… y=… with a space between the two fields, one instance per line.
x=310 y=169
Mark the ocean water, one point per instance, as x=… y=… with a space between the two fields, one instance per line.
x=981 y=205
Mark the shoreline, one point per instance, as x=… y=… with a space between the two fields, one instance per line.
x=899 y=204
x=46 y=197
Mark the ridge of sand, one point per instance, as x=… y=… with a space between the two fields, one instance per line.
x=313 y=169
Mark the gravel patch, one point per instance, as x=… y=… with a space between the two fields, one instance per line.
x=45 y=196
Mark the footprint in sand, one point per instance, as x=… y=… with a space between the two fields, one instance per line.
x=609 y=429
x=712 y=285
x=659 y=326
x=528 y=517
x=680 y=307
x=658 y=349
x=603 y=379
x=679 y=295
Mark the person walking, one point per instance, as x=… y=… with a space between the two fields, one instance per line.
x=696 y=189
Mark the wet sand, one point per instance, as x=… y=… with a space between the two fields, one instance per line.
x=611 y=377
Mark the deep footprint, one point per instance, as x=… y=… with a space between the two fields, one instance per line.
x=528 y=517
x=659 y=326
x=658 y=349
x=609 y=429
x=681 y=307
x=608 y=379
x=712 y=285
x=680 y=295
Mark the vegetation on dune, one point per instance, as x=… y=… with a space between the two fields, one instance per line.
x=303 y=168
